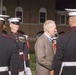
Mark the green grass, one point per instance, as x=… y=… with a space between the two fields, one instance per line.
x=32 y=62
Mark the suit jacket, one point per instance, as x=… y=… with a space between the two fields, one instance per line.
x=8 y=55
x=44 y=55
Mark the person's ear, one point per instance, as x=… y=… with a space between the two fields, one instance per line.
x=10 y=25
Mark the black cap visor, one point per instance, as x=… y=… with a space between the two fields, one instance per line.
x=16 y=23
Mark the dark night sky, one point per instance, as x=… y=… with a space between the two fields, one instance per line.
x=62 y=4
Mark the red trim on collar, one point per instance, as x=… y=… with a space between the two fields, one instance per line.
x=73 y=28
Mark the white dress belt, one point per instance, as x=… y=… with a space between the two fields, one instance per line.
x=20 y=53
x=66 y=64
x=2 y=69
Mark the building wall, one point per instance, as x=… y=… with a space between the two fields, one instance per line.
x=62 y=27
x=31 y=9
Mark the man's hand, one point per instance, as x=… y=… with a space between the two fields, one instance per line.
x=52 y=72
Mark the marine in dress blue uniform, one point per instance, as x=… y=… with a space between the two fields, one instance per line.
x=21 y=40
x=27 y=55
x=66 y=49
x=8 y=52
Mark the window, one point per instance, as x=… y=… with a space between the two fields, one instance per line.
x=42 y=15
x=19 y=13
x=4 y=10
x=63 y=19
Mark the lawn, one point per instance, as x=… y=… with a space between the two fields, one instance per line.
x=32 y=62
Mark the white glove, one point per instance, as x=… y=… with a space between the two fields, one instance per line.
x=9 y=72
x=28 y=71
x=21 y=73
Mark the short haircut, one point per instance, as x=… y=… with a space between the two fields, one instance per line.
x=47 y=24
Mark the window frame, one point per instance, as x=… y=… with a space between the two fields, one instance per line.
x=19 y=9
x=64 y=19
x=4 y=9
x=42 y=10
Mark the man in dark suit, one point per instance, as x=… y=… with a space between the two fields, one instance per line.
x=21 y=40
x=8 y=52
x=44 y=49
x=64 y=62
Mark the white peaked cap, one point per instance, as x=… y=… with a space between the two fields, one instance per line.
x=14 y=19
x=2 y=19
x=71 y=12
x=3 y=16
